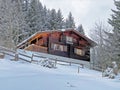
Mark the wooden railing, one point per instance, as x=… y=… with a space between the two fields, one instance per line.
x=31 y=58
x=7 y=51
x=37 y=48
x=24 y=57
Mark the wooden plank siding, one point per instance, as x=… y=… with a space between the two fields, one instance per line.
x=68 y=43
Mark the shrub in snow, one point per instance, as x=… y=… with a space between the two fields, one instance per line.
x=47 y=63
x=115 y=68
x=107 y=72
x=111 y=72
x=112 y=76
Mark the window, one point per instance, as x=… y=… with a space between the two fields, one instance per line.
x=58 y=47
x=79 y=52
x=69 y=40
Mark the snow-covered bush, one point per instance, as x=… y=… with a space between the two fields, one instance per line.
x=47 y=63
x=112 y=76
x=115 y=68
x=107 y=72
x=112 y=71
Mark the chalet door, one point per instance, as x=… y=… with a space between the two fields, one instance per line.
x=69 y=50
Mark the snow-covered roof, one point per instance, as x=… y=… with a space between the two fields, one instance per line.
x=92 y=43
x=49 y=31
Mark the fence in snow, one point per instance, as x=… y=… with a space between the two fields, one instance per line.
x=35 y=57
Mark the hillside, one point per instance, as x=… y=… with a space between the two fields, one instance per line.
x=29 y=76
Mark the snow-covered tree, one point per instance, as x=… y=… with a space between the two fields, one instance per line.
x=80 y=29
x=45 y=19
x=53 y=19
x=21 y=18
x=12 y=24
x=23 y=26
x=70 y=21
x=34 y=17
x=40 y=18
x=114 y=36
x=99 y=54
x=59 y=20
x=25 y=4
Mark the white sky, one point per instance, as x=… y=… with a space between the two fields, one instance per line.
x=85 y=12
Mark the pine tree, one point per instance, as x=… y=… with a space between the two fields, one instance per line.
x=25 y=4
x=34 y=17
x=47 y=23
x=59 y=20
x=80 y=29
x=53 y=19
x=70 y=21
x=45 y=19
x=114 y=37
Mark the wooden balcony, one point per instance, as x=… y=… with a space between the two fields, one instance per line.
x=37 y=48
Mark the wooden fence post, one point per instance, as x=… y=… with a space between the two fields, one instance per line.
x=55 y=63
x=102 y=70
x=2 y=55
x=16 y=56
x=78 y=69
x=32 y=58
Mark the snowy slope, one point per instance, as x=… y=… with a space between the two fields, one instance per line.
x=23 y=76
x=26 y=76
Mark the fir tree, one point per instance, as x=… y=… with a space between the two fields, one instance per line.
x=80 y=29
x=53 y=19
x=70 y=21
x=25 y=4
x=45 y=19
x=59 y=20
x=114 y=37
x=34 y=17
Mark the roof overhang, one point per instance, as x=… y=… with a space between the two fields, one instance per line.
x=91 y=43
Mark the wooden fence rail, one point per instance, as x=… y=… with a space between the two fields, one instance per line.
x=30 y=58
x=24 y=55
x=6 y=49
x=39 y=56
x=20 y=58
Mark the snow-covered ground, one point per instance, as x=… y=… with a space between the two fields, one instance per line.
x=27 y=76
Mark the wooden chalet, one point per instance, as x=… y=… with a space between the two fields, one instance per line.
x=68 y=43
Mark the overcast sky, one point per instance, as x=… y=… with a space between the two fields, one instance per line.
x=85 y=12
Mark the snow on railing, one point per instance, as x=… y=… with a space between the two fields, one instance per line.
x=7 y=51
x=37 y=57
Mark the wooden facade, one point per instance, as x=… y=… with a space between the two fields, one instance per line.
x=68 y=43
